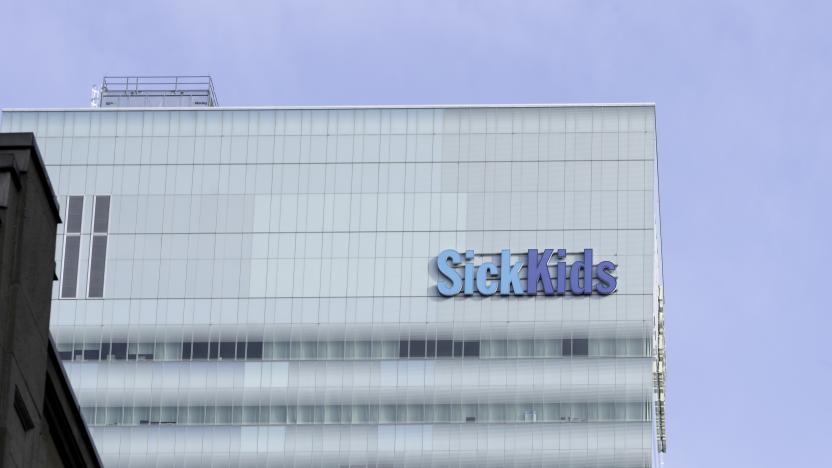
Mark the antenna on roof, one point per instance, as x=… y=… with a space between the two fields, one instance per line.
x=95 y=96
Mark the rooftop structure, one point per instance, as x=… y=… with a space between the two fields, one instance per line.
x=155 y=91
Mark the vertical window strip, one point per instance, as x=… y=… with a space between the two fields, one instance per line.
x=74 y=214
x=98 y=249
x=98 y=257
x=69 y=282
x=72 y=245
x=101 y=215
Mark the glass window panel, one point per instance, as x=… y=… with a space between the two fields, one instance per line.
x=251 y=414
x=228 y=349
x=417 y=349
x=498 y=348
x=74 y=214
x=306 y=414
x=277 y=415
x=119 y=351
x=360 y=414
x=387 y=414
x=457 y=349
x=580 y=347
x=332 y=414
x=524 y=348
x=105 y=351
x=98 y=263
x=70 y=273
x=566 y=347
x=472 y=349
x=200 y=350
x=362 y=349
x=101 y=216
x=401 y=413
x=430 y=348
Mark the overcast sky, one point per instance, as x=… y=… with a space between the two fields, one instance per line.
x=742 y=91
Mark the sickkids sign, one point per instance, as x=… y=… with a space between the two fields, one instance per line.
x=488 y=278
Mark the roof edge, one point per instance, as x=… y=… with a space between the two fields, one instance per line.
x=339 y=107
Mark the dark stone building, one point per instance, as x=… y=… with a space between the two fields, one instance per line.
x=40 y=423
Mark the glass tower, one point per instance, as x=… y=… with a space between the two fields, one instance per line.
x=258 y=286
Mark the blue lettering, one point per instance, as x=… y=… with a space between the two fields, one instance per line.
x=538 y=270
x=561 y=273
x=469 y=273
x=584 y=266
x=449 y=272
x=484 y=273
x=606 y=282
x=461 y=275
x=512 y=279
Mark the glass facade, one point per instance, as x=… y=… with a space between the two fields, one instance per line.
x=257 y=287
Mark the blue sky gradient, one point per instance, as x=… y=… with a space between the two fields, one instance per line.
x=744 y=102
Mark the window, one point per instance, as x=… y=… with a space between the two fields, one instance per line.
x=575 y=347
x=72 y=245
x=200 y=350
x=444 y=348
x=254 y=350
x=98 y=251
x=101 y=215
x=417 y=349
x=471 y=349
x=580 y=347
x=361 y=350
x=98 y=256
x=74 y=214
x=227 y=349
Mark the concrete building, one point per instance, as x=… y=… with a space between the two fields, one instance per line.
x=350 y=286
x=40 y=422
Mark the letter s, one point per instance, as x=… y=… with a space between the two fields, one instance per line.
x=447 y=270
x=606 y=282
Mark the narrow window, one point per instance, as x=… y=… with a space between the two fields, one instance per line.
x=74 y=214
x=105 y=351
x=580 y=347
x=119 y=351
x=444 y=348
x=72 y=245
x=417 y=349
x=186 y=350
x=214 y=350
x=457 y=349
x=430 y=349
x=472 y=349
x=101 y=215
x=567 y=347
x=254 y=350
x=72 y=249
x=200 y=350
x=227 y=349
x=98 y=251
x=98 y=260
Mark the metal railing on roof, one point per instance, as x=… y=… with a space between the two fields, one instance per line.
x=156 y=91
